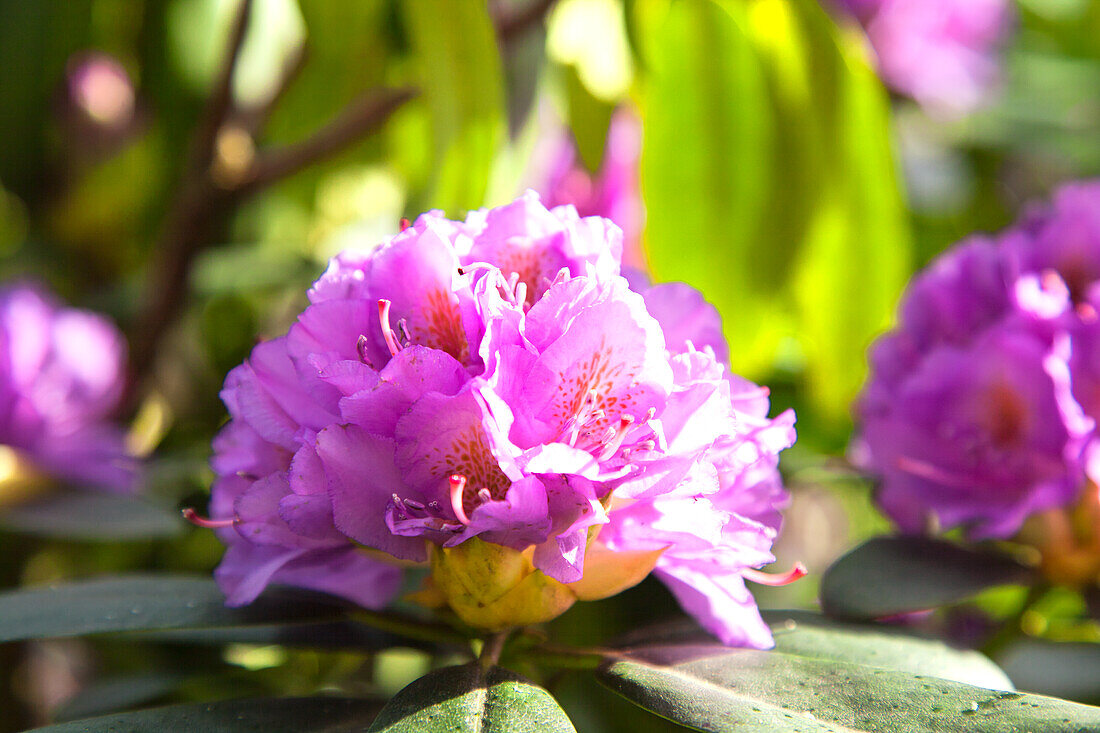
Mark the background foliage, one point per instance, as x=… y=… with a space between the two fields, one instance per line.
x=779 y=177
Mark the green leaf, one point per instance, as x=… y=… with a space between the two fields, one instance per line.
x=712 y=687
x=856 y=257
x=324 y=635
x=139 y=602
x=92 y=515
x=890 y=575
x=770 y=184
x=705 y=163
x=271 y=715
x=460 y=75
x=469 y=698
x=812 y=635
x=1065 y=669
x=589 y=119
x=118 y=693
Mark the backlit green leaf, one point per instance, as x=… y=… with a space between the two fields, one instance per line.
x=460 y=75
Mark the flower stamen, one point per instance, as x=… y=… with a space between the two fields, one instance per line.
x=759 y=577
x=387 y=332
x=616 y=440
x=458 y=489
x=205 y=522
x=361 y=349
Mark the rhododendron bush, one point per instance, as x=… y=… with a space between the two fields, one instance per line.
x=556 y=365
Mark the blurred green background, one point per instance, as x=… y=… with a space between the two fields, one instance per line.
x=778 y=176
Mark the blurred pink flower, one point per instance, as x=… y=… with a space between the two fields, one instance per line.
x=613 y=193
x=62 y=373
x=943 y=53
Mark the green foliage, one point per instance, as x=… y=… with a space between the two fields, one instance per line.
x=137 y=603
x=472 y=698
x=770 y=174
x=460 y=73
x=768 y=135
x=715 y=688
x=886 y=576
x=282 y=715
x=91 y=515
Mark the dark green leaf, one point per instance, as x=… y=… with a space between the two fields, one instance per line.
x=460 y=75
x=890 y=575
x=326 y=635
x=468 y=698
x=1066 y=669
x=273 y=715
x=137 y=602
x=92 y=515
x=118 y=693
x=812 y=635
x=715 y=688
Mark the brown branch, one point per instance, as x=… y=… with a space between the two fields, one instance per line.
x=360 y=118
x=208 y=198
x=192 y=218
x=512 y=22
x=220 y=102
x=223 y=170
x=253 y=119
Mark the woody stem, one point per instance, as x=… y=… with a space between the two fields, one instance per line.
x=492 y=649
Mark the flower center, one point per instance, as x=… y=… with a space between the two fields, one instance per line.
x=441 y=327
x=590 y=430
x=1006 y=416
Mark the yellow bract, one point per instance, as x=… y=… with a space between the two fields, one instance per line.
x=494 y=587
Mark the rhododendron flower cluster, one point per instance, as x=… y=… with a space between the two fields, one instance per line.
x=943 y=53
x=490 y=399
x=61 y=376
x=982 y=404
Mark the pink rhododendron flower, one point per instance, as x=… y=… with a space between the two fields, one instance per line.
x=981 y=406
x=61 y=376
x=940 y=52
x=493 y=392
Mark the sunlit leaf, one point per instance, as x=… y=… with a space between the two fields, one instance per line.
x=705 y=163
x=812 y=635
x=139 y=602
x=470 y=698
x=273 y=715
x=460 y=76
x=715 y=688
x=856 y=255
x=589 y=119
x=890 y=575
x=769 y=182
